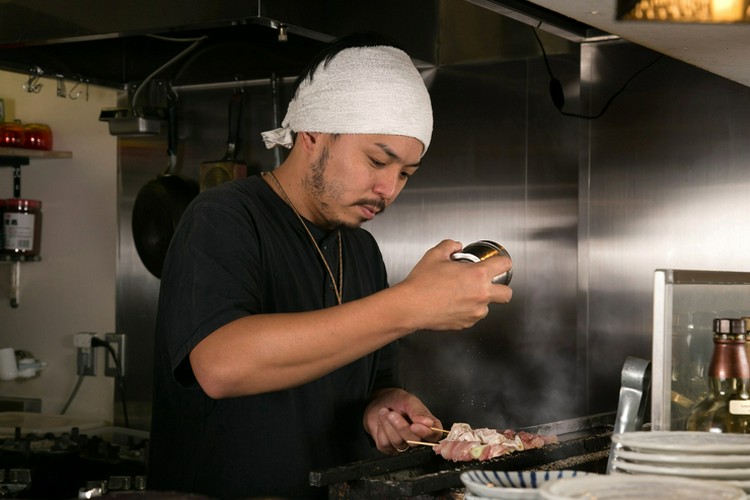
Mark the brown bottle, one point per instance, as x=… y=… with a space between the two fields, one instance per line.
x=726 y=407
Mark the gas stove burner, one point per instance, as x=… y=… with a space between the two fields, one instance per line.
x=14 y=481
x=36 y=465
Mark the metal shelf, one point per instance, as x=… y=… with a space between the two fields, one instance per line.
x=11 y=154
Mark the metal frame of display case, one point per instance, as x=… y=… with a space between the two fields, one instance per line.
x=679 y=293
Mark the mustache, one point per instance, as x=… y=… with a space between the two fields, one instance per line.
x=378 y=204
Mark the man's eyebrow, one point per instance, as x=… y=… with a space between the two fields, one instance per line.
x=392 y=154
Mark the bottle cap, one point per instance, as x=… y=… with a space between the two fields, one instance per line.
x=730 y=327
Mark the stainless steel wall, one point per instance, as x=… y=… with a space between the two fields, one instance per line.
x=587 y=208
x=663 y=184
x=503 y=166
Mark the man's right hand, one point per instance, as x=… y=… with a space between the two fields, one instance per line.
x=453 y=295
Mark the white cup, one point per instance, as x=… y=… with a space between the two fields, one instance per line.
x=8 y=364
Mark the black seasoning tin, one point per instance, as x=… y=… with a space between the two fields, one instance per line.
x=484 y=249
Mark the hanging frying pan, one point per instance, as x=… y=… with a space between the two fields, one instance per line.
x=216 y=172
x=159 y=206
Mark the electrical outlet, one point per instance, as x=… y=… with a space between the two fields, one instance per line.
x=117 y=342
x=86 y=361
x=85 y=354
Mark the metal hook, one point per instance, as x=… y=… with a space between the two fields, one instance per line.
x=61 y=86
x=33 y=85
x=78 y=93
x=75 y=94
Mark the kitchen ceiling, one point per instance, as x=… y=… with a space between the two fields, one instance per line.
x=108 y=42
x=723 y=49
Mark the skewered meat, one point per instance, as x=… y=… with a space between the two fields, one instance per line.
x=463 y=443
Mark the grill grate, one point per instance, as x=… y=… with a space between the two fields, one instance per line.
x=421 y=474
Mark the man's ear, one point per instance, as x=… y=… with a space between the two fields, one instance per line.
x=308 y=140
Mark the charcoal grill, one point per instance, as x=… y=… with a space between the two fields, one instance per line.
x=584 y=444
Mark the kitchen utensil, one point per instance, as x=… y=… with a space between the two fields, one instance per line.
x=159 y=206
x=635 y=383
x=481 y=250
x=213 y=173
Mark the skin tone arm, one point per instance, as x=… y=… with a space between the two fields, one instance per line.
x=286 y=350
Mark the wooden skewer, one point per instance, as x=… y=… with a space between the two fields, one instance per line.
x=423 y=443
x=439 y=430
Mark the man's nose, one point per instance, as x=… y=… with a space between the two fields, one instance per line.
x=387 y=184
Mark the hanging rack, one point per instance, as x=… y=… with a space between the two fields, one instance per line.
x=235 y=84
x=33 y=84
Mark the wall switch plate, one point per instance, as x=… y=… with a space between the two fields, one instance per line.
x=86 y=361
x=117 y=342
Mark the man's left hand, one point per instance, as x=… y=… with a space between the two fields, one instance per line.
x=395 y=416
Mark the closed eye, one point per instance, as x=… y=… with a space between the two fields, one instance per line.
x=377 y=163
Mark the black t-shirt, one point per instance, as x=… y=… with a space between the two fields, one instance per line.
x=240 y=250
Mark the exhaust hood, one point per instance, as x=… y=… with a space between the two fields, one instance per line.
x=116 y=43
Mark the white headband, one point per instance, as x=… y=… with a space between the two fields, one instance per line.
x=362 y=90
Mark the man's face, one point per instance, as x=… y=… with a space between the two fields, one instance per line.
x=356 y=176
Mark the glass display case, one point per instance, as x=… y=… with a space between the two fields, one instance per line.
x=685 y=305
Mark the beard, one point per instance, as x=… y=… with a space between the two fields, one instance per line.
x=326 y=191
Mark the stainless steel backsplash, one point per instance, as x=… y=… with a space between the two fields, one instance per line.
x=588 y=208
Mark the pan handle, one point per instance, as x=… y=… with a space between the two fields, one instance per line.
x=171 y=137
x=276 y=113
x=235 y=115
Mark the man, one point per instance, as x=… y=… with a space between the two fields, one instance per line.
x=275 y=342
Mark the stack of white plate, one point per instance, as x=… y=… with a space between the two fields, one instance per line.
x=697 y=455
x=638 y=487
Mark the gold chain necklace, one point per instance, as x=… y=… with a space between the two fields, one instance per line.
x=338 y=289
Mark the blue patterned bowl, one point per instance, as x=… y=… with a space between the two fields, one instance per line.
x=511 y=484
